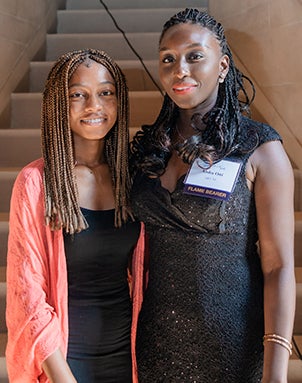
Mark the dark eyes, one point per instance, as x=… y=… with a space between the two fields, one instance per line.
x=195 y=56
x=76 y=95
x=79 y=95
x=190 y=57
x=107 y=93
x=168 y=59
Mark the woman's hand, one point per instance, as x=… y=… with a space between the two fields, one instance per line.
x=57 y=370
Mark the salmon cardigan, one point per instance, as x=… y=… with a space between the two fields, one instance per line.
x=37 y=308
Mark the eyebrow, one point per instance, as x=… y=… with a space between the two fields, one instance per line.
x=193 y=45
x=101 y=83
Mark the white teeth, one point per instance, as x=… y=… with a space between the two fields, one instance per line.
x=93 y=121
x=180 y=89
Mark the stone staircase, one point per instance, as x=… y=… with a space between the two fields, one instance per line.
x=85 y=23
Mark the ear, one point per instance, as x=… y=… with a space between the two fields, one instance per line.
x=223 y=67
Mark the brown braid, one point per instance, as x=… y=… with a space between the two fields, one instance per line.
x=62 y=208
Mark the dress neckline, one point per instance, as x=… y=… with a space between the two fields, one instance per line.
x=84 y=209
x=179 y=181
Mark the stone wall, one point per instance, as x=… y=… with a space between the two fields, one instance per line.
x=266 y=36
x=23 y=26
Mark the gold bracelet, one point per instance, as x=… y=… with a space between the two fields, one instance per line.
x=279 y=340
x=279 y=337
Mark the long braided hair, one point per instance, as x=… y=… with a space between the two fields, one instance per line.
x=62 y=208
x=151 y=147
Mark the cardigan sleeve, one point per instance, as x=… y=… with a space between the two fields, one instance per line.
x=33 y=326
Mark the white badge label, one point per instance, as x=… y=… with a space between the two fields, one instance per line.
x=217 y=182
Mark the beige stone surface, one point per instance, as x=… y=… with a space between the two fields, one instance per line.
x=266 y=36
x=23 y=26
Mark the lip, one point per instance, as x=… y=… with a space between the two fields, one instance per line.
x=183 y=88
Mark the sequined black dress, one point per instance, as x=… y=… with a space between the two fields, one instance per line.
x=202 y=315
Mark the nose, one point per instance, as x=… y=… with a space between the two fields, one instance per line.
x=182 y=69
x=93 y=103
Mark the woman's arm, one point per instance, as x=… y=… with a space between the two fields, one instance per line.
x=273 y=189
x=57 y=369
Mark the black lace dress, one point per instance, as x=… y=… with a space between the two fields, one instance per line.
x=99 y=306
x=202 y=315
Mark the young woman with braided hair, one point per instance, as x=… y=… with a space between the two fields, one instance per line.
x=72 y=235
x=215 y=190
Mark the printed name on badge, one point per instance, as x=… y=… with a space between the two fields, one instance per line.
x=217 y=182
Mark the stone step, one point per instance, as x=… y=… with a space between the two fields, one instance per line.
x=3 y=341
x=18 y=147
x=2 y=275
x=7 y=178
x=3 y=242
x=25 y=109
x=3 y=371
x=145 y=44
x=295 y=371
x=298 y=315
x=99 y=21
x=138 y=4
x=2 y=306
x=137 y=77
x=298 y=189
x=3 y=328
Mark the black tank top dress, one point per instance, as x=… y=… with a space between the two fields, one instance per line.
x=99 y=307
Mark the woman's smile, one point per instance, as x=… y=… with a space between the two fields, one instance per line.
x=184 y=88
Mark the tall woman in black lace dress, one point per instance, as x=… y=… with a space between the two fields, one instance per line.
x=215 y=190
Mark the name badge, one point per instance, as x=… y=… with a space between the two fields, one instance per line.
x=217 y=182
